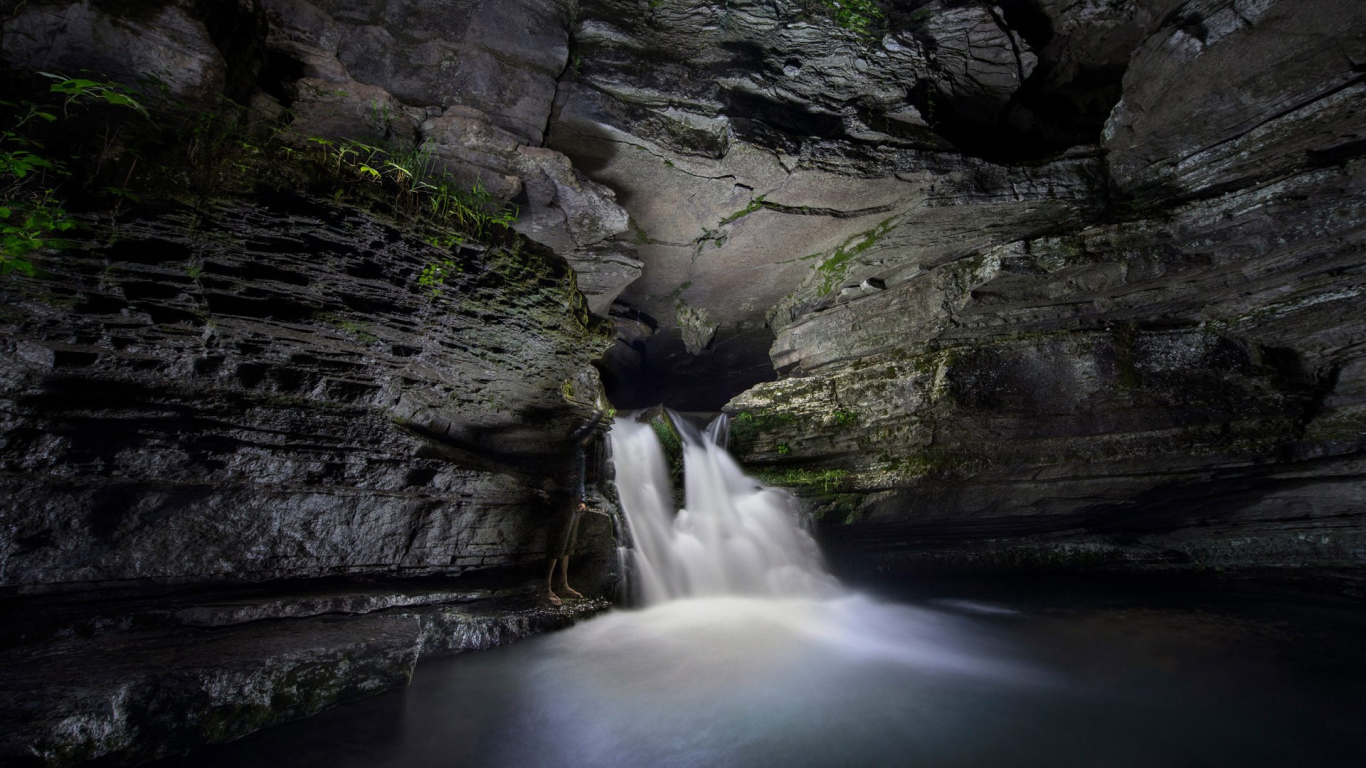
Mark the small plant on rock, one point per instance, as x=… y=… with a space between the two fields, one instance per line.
x=844 y=418
x=434 y=275
x=419 y=187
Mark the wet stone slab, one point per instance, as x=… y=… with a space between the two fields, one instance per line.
x=139 y=688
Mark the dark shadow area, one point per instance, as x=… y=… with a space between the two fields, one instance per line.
x=239 y=31
x=660 y=370
x=1063 y=103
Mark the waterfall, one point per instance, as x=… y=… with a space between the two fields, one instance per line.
x=718 y=431
x=734 y=535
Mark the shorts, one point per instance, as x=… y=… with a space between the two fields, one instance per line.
x=566 y=532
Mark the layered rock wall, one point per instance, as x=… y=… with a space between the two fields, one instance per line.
x=263 y=390
x=245 y=384
x=1167 y=379
x=249 y=370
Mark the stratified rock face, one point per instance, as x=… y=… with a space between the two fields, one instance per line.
x=1229 y=93
x=248 y=385
x=1171 y=380
x=771 y=161
x=143 y=697
x=263 y=389
x=1092 y=250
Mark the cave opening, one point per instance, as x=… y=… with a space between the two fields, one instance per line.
x=658 y=369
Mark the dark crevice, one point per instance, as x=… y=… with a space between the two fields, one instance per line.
x=279 y=74
x=1028 y=20
x=239 y=31
x=1046 y=115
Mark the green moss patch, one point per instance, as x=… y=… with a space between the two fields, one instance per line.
x=831 y=272
x=746 y=428
x=822 y=480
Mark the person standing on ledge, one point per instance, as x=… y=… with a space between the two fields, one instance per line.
x=568 y=530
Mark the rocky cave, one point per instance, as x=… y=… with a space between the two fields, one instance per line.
x=306 y=304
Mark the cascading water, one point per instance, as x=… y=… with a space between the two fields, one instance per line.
x=718 y=431
x=734 y=535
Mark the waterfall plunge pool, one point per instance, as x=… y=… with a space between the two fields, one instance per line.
x=747 y=654
x=1019 y=674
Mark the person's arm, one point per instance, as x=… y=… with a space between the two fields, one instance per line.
x=581 y=439
x=580 y=470
x=582 y=433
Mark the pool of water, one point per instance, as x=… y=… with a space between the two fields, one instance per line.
x=1049 y=674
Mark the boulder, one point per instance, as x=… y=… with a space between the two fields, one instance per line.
x=167 y=44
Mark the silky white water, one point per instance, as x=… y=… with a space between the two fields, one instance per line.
x=734 y=535
x=742 y=641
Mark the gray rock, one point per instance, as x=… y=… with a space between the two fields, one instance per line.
x=447 y=630
x=145 y=696
x=979 y=61
x=263 y=391
x=302 y=32
x=1230 y=92
x=498 y=57
x=562 y=208
x=563 y=200
x=345 y=109
x=1012 y=408
x=166 y=43
x=761 y=146
x=1172 y=383
x=352 y=602
x=140 y=695
x=696 y=327
x=603 y=271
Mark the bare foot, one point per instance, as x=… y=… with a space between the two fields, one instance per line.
x=573 y=593
x=551 y=598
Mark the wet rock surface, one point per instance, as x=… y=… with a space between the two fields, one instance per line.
x=255 y=386
x=169 y=42
x=136 y=678
x=260 y=391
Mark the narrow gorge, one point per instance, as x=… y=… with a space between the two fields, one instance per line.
x=320 y=319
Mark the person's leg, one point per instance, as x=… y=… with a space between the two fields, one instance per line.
x=564 y=579
x=549 y=587
x=560 y=543
x=572 y=539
